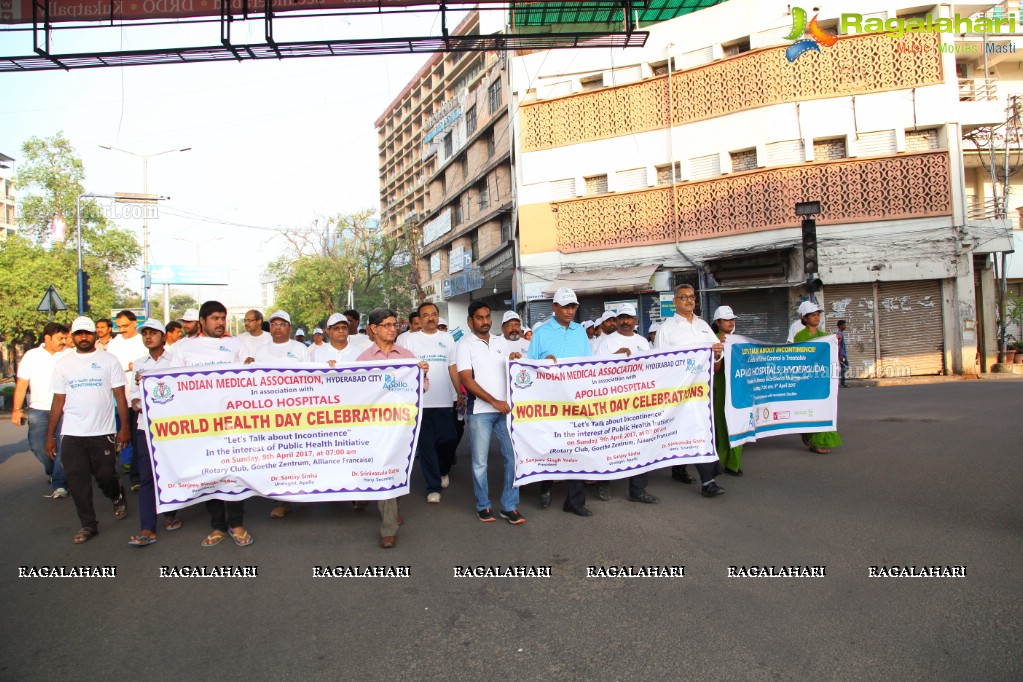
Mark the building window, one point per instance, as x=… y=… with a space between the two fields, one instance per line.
x=592 y=82
x=562 y=189
x=475 y=245
x=596 y=184
x=464 y=164
x=458 y=211
x=921 y=140
x=703 y=167
x=660 y=69
x=449 y=145
x=483 y=191
x=745 y=160
x=506 y=229
x=630 y=180
x=829 y=150
x=435 y=262
x=470 y=121
x=491 y=142
x=494 y=96
x=736 y=48
x=664 y=176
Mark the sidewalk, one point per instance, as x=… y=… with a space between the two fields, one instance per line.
x=932 y=379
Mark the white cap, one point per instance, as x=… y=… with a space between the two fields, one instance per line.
x=565 y=296
x=608 y=315
x=587 y=324
x=526 y=329
x=191 y=315
x=654 y=327
x=626 y=309
x=724 y=312
x=335 y=318
x=280 y=315
x=83 y=324
x=298 y=332
x=442 y=322
x=806 y=307
x=317 y=331
x=509 y=316
x=153 y=323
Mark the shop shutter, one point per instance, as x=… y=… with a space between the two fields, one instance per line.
x=853 y=303
x=912 y=338
x=538 y=311
x=763 y=313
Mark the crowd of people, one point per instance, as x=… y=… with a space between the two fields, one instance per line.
x=84 y=397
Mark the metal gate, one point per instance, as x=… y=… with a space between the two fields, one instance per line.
x=854 y=303
x=763 y=313
x=910 y=320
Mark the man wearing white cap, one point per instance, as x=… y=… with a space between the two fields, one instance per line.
x=190 y=323
x=83 y=382
x=625 y=342
x=282 y=348
x=685 y=327
x=511 y=330
x=442 y=324
x=562 y=339
x=299 y=334
x=731 y=458
x=338 y=350
x=153 y=335
x=317 y=338
x=253 y=337
x=127 y=346
x=652 y=332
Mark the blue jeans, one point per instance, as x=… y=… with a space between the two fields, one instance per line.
x=37 y=423
x=480 y=428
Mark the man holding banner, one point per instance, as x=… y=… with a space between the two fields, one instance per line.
x=384 y=326
x=562 y=338
x=685 y=328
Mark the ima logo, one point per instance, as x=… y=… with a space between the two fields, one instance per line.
x=818 y=36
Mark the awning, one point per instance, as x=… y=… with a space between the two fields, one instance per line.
x=615 y=281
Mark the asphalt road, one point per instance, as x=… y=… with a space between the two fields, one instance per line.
x=928 y=475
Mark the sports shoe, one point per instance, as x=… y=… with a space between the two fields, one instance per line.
x=445 y=481
x=58 y=493
x=433 y=498
x=513 y=517
x=712 y=489
x=486 y=516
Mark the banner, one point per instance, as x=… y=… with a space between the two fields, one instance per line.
x=774 y=390
x=301 y=433
x=610 y=418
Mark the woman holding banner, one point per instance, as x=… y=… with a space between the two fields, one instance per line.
x=731 y=458
x=810 y=315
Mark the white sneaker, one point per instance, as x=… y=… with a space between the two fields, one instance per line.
x=57 y=494
x=433 y=498
x=445 y=481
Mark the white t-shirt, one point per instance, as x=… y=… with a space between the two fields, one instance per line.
x=250 y=343
x=291 y=351
x=609 y=343
x=36 y=368
x=595 y=343
x=86 y=379
x=520 y=346
x=327 y=352
x=127 y=351
x=677 y=330
x=489 y=365
x=145 y=364
x=202 y=351
x=360 y=341
x=438 y=349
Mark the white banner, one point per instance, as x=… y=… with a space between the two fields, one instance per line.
x=602 y=419
x=301 y=433
x=773 y=389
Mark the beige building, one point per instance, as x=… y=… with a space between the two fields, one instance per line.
x=7 y=199
x=445 y=173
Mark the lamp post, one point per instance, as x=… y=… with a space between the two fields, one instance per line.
x=145 y=215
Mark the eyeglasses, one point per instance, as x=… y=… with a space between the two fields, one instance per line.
x=686 y=297
x=279 y=324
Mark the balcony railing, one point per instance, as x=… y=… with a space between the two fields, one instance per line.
x=905 y=186
x=977 y=90
x=984 y=209
x=856 y=65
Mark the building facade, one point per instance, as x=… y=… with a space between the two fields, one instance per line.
x=682 y=161
x=445 y=173
x=7 y=200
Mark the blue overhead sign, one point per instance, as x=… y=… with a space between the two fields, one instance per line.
x=188 y=274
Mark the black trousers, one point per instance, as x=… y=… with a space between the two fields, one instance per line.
x=225 y=515
x=576 y=492
x=706 y=470
x=85 y=458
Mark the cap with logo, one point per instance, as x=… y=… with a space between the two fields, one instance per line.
x=806 y=307
x=153 y=323
x=280 y=315
x=510 y=315
x=724 y=312
x=565 y=296
x=442 y=322
x=317 y=331
x=299 y=332
x=191 y=315
x=83 y=324
x=335 y=319
x=626 y=309
x=587 y=324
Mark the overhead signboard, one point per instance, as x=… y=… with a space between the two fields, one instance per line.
x=188 y=274
x=437 y=227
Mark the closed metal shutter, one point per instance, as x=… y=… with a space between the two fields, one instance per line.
x=763 y=313
x=854 y=303
x=912 y=338
x=538 y=311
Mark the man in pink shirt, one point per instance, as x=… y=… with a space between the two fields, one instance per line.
x=383 y=328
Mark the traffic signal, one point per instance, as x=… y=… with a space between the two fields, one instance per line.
x=83 y=286
x=810 y=264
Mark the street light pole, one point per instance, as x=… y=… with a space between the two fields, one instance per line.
x=145 y=216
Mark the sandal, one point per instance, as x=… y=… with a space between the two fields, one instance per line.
x=146 y=537
x=821 y=451
x=213 y=539
x=242 y=539
x=120 y=506
x=172 y=523
x=84 y=535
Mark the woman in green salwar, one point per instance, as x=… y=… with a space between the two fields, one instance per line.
x=731 y=458
x=810 y=314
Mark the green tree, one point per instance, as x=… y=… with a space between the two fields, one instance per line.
x=324 y=261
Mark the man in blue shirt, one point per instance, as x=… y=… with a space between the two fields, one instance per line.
x=559 y=339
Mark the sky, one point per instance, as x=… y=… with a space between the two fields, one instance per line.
x=274 y=144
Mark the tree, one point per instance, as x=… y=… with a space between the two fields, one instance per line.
x=330 y=257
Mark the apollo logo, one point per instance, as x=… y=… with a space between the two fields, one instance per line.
x=818 y=36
